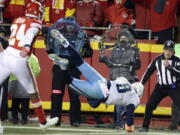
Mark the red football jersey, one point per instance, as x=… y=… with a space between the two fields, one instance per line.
x=23 y=31
x=14 y=9
x=55 y=9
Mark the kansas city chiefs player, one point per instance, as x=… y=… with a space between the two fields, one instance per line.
x=14 y=59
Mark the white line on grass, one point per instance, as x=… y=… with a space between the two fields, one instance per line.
x=93 y=131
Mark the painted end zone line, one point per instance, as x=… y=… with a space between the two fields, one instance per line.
x=99 y=131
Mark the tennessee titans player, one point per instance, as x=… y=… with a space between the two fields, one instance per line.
x=97 y=88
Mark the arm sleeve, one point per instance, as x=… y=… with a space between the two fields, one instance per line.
x=175 y=70
x=148 y=72
x=137 y=62
x=107 y=61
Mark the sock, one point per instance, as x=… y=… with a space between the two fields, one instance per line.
x=130 y=115
x=36 y=104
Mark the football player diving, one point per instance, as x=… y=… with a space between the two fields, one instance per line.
x=97 y=88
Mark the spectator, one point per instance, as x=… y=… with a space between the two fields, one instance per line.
x=89 y=13
x=4 y=86
x=164 y=10
x=104 y=4
x=123 y=62
x=56 y=9
x=168 y=83
x=161 y=11
x=117 y=14
x=75 y=35
x=19 y=95
x=14 y=9
x=177 y=29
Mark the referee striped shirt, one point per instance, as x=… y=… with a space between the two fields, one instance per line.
x=165 y=75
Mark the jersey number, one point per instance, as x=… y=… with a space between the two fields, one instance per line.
x=17 y=34
x=122 y=88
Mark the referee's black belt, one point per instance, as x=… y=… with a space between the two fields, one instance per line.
x=169 y=86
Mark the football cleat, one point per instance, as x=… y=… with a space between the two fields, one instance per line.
x=59 y=37
x=50 y=122
x=63 y=63
x=129 y=128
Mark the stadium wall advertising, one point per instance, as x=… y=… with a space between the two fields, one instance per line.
x=148 y=52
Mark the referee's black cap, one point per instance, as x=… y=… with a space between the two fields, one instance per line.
x=169 y=45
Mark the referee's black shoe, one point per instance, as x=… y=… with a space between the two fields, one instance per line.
x=143 y=129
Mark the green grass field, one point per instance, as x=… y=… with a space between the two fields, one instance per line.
x=33 y=129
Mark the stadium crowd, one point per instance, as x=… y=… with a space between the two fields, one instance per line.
x=161 y=17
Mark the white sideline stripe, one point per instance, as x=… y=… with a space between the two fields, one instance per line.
x=104 y=131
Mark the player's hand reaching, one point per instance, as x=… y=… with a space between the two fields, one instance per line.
x=25 y=51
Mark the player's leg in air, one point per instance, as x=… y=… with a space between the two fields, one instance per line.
x=92 y=86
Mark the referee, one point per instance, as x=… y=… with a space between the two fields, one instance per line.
x=168 y=81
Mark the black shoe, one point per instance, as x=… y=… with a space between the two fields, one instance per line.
x=143 y=129
x=75 y=124
x=172 y=126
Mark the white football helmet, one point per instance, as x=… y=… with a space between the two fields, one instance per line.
x=138 y=88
